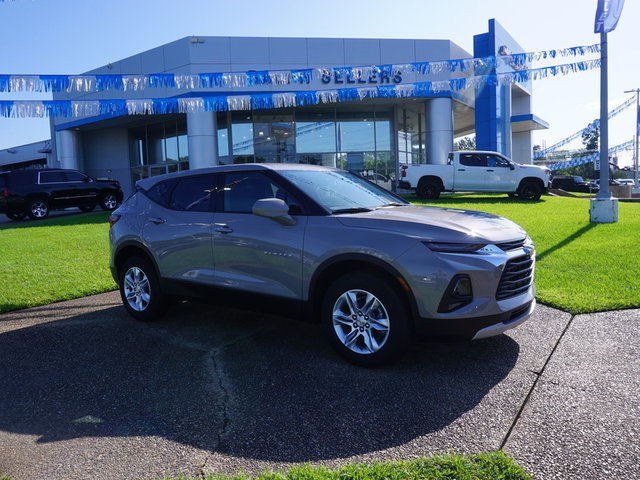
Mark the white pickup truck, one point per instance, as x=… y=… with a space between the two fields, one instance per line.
x=475 y=171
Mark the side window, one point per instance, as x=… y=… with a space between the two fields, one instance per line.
x=52 y=177
x=161 y=192
x=494 y=161
x=194 y=194
x=473 y=160
x=76 y=177
x=242 y=190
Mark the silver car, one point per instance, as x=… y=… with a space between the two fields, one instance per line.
x=324 y=245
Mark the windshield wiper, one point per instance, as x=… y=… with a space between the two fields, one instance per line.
x=351 y=210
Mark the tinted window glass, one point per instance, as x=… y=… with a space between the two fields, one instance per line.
x=242 y=190
x=161 y=192
x=52 y=177
x=473 y=160
x=193 y=194
x=495 y=161
x=76 y=177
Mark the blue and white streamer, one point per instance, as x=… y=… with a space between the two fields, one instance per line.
x=249 y=79
x=84 y=108
x=588 y=128
x=574 y=162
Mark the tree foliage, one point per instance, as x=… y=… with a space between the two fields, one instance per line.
x=591 y=139
x=465 y=143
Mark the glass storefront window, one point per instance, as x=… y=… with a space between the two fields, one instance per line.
x=183 y=148
x=223 y=135
x=315 y=132
x=158 y=148
x=383 y=132
x=355 y=132
x=411 y=134
x=273 y=138
x=242 y=134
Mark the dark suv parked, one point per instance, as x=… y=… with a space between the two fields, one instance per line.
x=37 y=192
x=572 y=183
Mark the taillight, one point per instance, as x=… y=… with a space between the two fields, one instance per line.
x=404 y=171
x=113 y=219
x=6 y=192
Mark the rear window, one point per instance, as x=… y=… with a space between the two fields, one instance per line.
x=193 y=193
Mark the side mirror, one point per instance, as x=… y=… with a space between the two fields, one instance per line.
x=274 y=208
x=512 y=166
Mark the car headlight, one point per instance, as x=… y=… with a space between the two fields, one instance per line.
x=451 y=247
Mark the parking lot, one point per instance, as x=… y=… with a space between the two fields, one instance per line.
x=89 y=393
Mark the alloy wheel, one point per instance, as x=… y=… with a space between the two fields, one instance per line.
x=110 y=201
x=39 y=209
x=137 y=289
x=361 y=321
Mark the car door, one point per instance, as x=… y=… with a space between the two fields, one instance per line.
x=178 y=227
x=253 y=253
x=500 y=176
x=54 y=184
x=82 y=189
x=471 y=172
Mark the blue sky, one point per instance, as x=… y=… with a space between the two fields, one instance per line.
x=73 y=36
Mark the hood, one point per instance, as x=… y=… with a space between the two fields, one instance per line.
x=437 y=224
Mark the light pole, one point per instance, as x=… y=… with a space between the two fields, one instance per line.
x=604 y=208
x=635 y=157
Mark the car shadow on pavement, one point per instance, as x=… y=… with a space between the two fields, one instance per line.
x=233 y=382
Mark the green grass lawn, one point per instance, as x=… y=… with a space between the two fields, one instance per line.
x=581 y=267
x=484 y=466
x=55 y=259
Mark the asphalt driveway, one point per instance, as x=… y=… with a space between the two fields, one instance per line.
x=89 y=393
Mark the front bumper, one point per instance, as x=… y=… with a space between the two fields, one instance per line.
x=499 y=302
x=462 y=329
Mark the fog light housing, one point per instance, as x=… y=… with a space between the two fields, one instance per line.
x=458 y=294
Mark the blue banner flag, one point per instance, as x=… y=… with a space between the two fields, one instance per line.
x=607 y=15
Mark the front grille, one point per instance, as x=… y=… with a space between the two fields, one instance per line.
x=516 y=277
x=506 y=246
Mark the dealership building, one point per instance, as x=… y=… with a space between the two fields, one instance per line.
x=370 y=135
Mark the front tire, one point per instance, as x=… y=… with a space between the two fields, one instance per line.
x=366 y=319
x=108 y=201
x=38 y=209
x=140 y=290
x=530 y=190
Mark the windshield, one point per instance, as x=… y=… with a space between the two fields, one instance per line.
x=338 y=190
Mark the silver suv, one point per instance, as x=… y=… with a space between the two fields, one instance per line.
x=324 y=245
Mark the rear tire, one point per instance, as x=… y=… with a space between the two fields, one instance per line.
x=366 y=319
x=15 y=216
x=38 y=209
x=140 y=289
x=530 y=190
x=428 y=189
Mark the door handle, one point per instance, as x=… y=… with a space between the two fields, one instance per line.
x=489 y=170
x=223 y=228
x=157 y=220
x=462 y=169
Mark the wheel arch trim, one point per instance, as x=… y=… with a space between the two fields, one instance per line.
x=319 y=281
